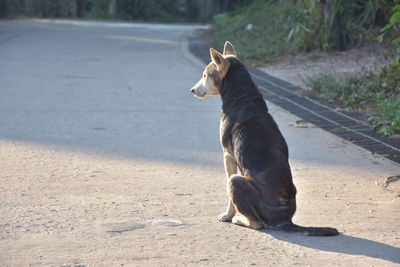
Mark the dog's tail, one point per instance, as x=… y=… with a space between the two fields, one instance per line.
x=310 y=231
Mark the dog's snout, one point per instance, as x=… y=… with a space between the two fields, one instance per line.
x=192 y=90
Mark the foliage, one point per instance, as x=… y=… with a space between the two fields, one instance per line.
x=155 y=10
x=378 y=94
x=333 y=90
x=388 y=120
x=389 y=77
x=167 y=11
x=265 y=29
x=391 y=33
x=371 y=94
x=350 y=21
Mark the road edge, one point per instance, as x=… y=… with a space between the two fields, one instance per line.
x=287 y=96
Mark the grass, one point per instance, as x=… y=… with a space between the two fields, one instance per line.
x=376 y=94
x=265 y=29
x=369 y=94
x=388 y=118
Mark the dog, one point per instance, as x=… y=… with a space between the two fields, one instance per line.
x=262 y=195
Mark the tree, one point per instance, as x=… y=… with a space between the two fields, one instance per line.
x=112 y=7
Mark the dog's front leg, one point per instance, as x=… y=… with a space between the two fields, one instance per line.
x=230 y=168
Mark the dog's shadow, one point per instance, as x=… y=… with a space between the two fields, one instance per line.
x=343 y=244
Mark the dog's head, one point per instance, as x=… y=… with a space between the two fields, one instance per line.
x=214 y=73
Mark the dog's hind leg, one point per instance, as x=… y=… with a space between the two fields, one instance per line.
x=245 y=201
x=230 y=169
x=243 y=221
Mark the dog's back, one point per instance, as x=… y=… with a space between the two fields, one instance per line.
x=253 y=137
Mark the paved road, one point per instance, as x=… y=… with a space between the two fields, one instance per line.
x=106 y=159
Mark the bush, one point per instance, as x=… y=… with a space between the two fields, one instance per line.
x=368 y=94
x=265 y=29
x=388 y=116
x=376 y=94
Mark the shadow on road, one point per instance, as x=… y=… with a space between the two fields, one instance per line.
x=343 y=244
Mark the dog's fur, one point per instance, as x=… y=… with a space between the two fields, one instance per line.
x=263 y=194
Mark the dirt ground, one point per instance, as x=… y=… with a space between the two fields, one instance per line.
x=77 y=209
x=296 y=68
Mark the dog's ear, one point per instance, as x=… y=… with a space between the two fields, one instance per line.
x=218 y=59
x=229 y=49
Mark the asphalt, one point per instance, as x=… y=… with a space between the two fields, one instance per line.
x=96 y=87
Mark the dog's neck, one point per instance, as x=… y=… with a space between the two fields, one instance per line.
x=238 y=90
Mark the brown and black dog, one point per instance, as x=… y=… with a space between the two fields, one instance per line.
x=263 y=194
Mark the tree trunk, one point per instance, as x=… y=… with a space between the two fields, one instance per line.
x=225 y=6
x=333 y=26
x=135 y=13
x=208 y=9
x=112 y=7
x=3 y=9
x=79 y=8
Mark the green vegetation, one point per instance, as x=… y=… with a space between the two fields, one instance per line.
x=148 y=10
x=367 y=94
x=377 y=94
x=265 y=28
x=97 y=9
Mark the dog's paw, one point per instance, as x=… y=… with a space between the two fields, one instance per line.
x=223 y=217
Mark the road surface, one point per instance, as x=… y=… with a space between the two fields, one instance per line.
x=106 y=159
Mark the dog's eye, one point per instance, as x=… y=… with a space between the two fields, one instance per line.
x=204 y=75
